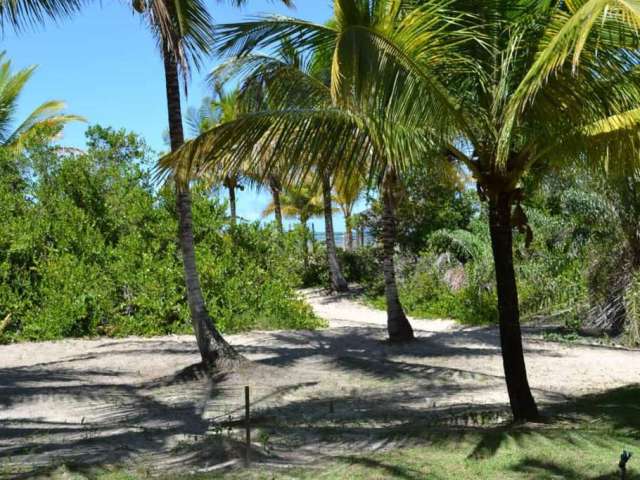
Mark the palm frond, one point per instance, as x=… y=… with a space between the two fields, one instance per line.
x=21 y=14
x=581 y=36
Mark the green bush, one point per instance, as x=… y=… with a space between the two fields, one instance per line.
x=360 y=266
x=90 y=249
x=551 y=272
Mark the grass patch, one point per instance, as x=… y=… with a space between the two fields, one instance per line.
x=581 y=440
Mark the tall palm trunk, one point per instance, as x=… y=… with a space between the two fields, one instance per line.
x=523 y=405
x=348 y=232
x=398 y=325
x=305 y=241
x=210 y=343
x=274 y=184
x=338 y=283
x=232 y=202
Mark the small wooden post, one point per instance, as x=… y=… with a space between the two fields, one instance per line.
x=247 y=426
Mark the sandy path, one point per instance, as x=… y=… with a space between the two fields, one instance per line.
x=554 y=368
x=115 y=401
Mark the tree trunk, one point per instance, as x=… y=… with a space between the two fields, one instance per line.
x=348 y=233
x=398 y=325
x=232 y=202
x=523 y=405
x=210 y=343
x=338 y=283
x=305 y=242
x=275 y=192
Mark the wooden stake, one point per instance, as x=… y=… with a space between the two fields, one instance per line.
x=247 y=425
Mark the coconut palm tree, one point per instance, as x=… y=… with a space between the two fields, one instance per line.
x=212 y=112
x=46 y=118
x=303 y=203
x=347 y=193
x=543 y=92
x=275 y=185
x=338 y=282
x=261 y=89
x=183 y=32
x=183 y=29
x=398 y=325
x=499 y=87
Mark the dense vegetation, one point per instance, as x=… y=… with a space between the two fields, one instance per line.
x=574 y=254
x=89 y=248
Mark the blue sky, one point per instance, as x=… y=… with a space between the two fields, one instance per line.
x=105 y=66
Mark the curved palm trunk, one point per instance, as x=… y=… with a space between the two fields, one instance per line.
x=398 y=325
x=523 y=405
x=277 y=204
x=210 y=343
x=338 y=283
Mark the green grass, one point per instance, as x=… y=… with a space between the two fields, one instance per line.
x=582 y=440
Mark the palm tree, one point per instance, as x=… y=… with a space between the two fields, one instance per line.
x=302 y=202
x=183 y=31
x=261 y=89
x=298 y=129
x=275 y=185
x=398 y=325
x=46 y=118
x=213 y=112
x=498 y=87
x=347 y=193
x=338 y=282
x=546 y=82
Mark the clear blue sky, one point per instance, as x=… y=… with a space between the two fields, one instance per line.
x=104 y=64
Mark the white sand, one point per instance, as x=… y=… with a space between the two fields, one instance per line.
x=116 y=401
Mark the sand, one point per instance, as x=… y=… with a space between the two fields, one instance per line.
x=107 y=401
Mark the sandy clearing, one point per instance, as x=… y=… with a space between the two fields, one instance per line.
x=110 y=401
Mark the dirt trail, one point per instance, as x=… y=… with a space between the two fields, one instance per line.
x=118 y=401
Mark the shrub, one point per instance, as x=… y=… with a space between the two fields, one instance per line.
x=90 y=249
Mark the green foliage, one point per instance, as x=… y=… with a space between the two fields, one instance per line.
x=361 y=266
x=89 y=249
x=431 y=199
x=632 y=301
x=453 y=276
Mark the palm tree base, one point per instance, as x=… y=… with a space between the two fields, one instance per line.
x=214 y=349
x=340 y=287
x=399 y=328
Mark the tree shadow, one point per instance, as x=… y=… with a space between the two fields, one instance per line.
x=550 y=470
x=617 y=410
x=174 y=421
x=397 y=471
x=55 y=414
